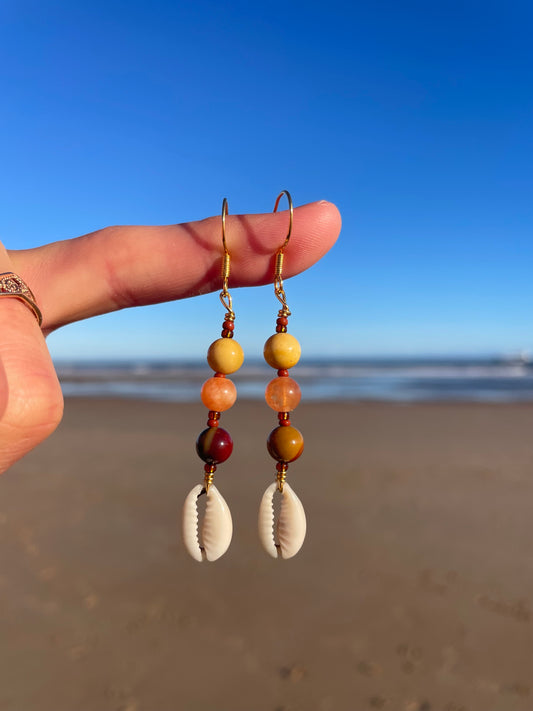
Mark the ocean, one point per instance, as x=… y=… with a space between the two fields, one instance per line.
x=392 y=379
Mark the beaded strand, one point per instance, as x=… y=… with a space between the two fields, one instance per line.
x=285 y=443
x=214 y=444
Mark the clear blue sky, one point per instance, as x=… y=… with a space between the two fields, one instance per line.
x=415 y=118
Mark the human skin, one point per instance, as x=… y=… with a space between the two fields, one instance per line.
x=121 y=267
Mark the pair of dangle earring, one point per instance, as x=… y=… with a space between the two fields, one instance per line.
x=214 y=445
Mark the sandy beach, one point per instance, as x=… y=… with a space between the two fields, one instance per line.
x=413 y=592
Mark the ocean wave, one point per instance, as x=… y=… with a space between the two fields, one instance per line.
x=397 y=380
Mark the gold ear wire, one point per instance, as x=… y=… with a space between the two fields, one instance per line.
x=225 y=296
x=278 y=280
x=291 y=215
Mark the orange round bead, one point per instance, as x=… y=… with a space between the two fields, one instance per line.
x=218 y=394
x=283 y=394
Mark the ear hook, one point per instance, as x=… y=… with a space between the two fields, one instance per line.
x=225 y=296
x=224 y=213
x=291 y=216
x=278 y=281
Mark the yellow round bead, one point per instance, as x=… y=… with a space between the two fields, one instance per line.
x=225 y=355
x=282 y=351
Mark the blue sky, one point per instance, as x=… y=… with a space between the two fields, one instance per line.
x=415 y=118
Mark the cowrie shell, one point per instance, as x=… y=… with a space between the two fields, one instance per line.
x=291 y=525
x=216 y=529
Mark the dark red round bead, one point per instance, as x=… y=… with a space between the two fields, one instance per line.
x=212 y=423
x=214 y=445
x=283 y=373
x=228 y=325
x=281 y=329
x=282 y=321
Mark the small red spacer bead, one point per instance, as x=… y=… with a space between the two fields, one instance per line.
x=283 y=373
x=281 y=329
x=282 y=321
x=282 y=466
x=210 y=468
x=283 y=418
x=226 y=333
x=228 y=325
x=219 y=375
x=213 y=415
x=213 y=423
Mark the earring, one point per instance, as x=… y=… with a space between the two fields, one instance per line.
x=214 y=445
x=285 y=443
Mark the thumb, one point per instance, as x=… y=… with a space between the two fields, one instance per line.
x=31 y=403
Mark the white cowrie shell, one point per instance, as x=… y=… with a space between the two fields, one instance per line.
x=216 y=529
x=291 y=525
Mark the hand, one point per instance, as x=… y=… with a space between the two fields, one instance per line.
x=119 y=267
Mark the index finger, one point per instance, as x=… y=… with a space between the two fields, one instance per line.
x=119 y=267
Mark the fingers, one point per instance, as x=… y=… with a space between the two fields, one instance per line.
x=118 y=267
x=129 y=266
x=31 y=403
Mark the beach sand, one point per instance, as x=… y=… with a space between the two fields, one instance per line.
x=413 y=591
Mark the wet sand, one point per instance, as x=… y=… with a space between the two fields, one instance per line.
x=413 y=592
